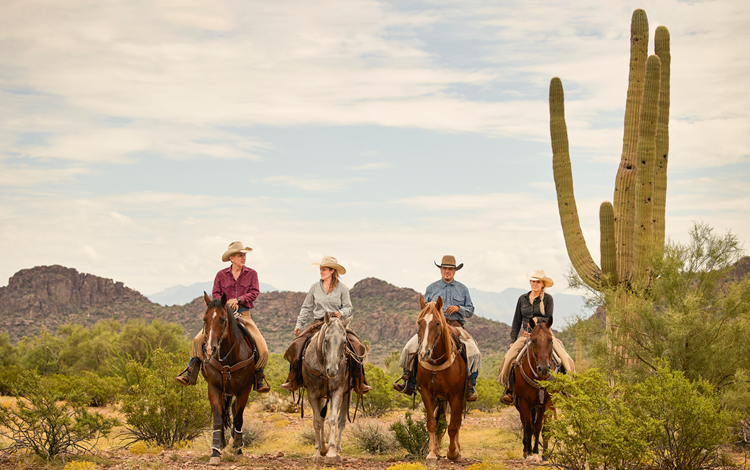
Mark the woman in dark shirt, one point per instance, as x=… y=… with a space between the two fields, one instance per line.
x=534 y=304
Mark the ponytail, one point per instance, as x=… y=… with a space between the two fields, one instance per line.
x=541 y=301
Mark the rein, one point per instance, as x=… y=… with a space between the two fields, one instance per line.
x=430 y=363
x=532 y=382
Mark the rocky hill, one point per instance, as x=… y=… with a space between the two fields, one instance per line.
x=52 y=296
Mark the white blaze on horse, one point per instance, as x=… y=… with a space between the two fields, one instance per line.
x=326 y=376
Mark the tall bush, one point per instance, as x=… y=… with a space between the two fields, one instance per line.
x=413 y=435
x=48 y=424
x=158 y=409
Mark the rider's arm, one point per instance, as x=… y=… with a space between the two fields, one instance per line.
x=306 y=312
x=467 y=309
x=346 y=302
x=517 y=321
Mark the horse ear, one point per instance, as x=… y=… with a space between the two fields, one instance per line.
x=327 y=318
x=549 y=322
x=223 y=299
x=439 y=304
x=421 y=301
x=346 y=322
x=532 y=323
x=206 y=298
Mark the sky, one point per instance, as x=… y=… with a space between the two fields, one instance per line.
x=140 y=138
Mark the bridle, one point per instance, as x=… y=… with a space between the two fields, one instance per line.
x=434 y=343
x=226 y=370
x=532 y=382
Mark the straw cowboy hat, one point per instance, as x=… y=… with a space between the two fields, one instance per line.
x=330 y=262
x=538 y=275
x=449 y=261
x=235 y=247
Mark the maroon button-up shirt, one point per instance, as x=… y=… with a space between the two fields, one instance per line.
x=245 y=287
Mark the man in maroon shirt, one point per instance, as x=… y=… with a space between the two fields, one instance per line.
x=240 y=284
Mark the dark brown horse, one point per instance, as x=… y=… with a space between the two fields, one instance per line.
x=532 y=399
x=229 y=369
x=441 y=375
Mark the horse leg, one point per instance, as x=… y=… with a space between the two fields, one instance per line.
x=538 y=417
x=334 y=442
x=525 y=412
x=239 y=408
x=429 y=407
x=318 y=423
x=217 y=403
x=454 y=449
x=342 y=421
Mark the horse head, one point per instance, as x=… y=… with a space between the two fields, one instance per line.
x=215 y=323
x=432 y=329
x=332 y=344
x=541 y=346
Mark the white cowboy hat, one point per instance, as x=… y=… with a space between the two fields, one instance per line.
x=330 y=262
x=235 y=247
x=538 y=275
x=449 y=261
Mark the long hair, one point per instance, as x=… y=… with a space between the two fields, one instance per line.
x=334 y=280
x=541 y=301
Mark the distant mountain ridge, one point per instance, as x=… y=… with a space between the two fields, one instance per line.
x=53 y=296
x=501 y=306
x=181 y=295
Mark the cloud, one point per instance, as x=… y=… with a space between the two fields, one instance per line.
x=308 y=184
x=372 y=166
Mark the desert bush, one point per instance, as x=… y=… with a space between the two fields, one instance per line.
x=489 y=392
x=306 y=436
x=99 y=391
x=381 y=399
x=692 y=424
x=407 y=466
x=48 y=426
x=8 y=376
x=736 y=397
x=487 y=465
x=145 y=447
x=252 y=434
x=372 y=438
x=158 y=409
x=80 y=465
x=595 y=428
x=413 y=435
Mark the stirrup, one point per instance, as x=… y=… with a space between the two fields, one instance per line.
x=507 y=398
x=260 y=386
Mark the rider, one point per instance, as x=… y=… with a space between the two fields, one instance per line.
x=328 y=295
x=457 y=308
x=534 y=304
x=240 y=284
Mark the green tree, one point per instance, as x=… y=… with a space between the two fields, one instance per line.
x=138 y=338
x=8 y=354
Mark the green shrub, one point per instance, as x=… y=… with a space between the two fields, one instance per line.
x=158 y=409
x=692 y=424
x=252 y=434
x=736 y=397
x=382 y=398
x=413 y=435
x=372 y=438
x=48 y=426
x=8 y=376
x=99 y=391
x=306 y=436
x=595 y=428
x=489 y=392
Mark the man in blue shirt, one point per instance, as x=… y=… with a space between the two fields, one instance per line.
x=457 y=308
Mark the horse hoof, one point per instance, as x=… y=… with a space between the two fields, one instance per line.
x=431 y=457
x=333 y=458
x=454 y=457
x=214 y=461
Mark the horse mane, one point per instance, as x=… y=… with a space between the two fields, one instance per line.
x=445 y=331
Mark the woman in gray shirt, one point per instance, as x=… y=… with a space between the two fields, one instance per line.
x=331 y=296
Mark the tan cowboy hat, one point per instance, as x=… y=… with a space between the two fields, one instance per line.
x=235 y=247
x=538 y=275
x=330 y=262
x=449 y=261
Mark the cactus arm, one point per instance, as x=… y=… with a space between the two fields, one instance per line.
x=578 y=252
x=644 y=188
x=661 y=45
x=624 y=198
x=607 y=246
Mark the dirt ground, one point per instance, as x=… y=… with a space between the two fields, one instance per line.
x=484 y=436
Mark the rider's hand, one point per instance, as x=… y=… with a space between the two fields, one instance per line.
x=296 y=332
x=233 y=304
x=451 y=309
x=336 y=314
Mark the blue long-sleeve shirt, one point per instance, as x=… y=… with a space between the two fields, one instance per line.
x=452 y=293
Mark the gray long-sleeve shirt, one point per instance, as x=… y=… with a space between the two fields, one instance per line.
x=317 y=303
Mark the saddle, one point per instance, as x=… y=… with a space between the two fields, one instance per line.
x=248 y=339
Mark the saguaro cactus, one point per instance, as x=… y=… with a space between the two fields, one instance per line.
x=636 y=219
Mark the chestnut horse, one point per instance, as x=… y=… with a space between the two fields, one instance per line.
x=229 y=369
x=532 y=400
x=441 y=375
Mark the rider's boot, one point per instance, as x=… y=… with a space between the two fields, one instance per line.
x=507 y=398
x=360 y=381
x=192 y=372
x=261 y=386
x=473 y=390
x=409 y=382
x=291 y=380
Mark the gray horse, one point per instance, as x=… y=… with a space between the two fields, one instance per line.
x=327 y=380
